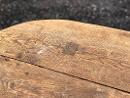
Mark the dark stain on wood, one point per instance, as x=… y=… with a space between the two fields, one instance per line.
x=27 y=73
x=19 y=55
x=3 y=58
x=70 y=48
x=30 y=58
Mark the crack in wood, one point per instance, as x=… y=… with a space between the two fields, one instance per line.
x=73 y=76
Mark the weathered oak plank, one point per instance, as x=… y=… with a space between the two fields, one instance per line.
x=96 y=53
x=22 y=80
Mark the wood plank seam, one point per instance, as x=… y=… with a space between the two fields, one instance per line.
x=72 y=76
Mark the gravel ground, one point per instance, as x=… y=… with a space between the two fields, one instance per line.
x=112 y=13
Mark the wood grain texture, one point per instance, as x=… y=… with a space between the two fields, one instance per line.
x=22 y=80
x=91 y=52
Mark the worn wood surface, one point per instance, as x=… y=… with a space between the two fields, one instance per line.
x=64 y=59
x=22 y=80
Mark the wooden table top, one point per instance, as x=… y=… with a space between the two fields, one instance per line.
x=64 y=59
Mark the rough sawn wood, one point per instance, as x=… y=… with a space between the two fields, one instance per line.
x=89 y=61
